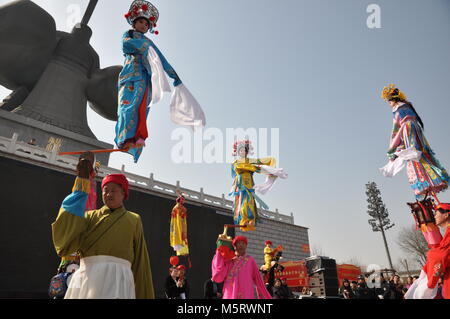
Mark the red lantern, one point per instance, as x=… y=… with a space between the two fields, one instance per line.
x=174 y=260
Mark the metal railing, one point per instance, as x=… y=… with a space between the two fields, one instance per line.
x=27 y=151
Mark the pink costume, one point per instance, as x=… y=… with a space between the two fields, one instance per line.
x=239 y=275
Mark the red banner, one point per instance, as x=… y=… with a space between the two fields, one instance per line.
x=350 y=272
x=295 y=273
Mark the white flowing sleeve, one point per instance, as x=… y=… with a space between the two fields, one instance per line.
x=394 y=167
x=159 y=79
x=272 y=175
x=419 y=289
x=184 y=108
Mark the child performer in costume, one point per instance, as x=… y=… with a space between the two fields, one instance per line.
x=437 y=265
x=178 y=228
x=240 y=275
x=243 y=189
x=268 y=255
x=114 y=257
x=142 y=82
x=410 y=148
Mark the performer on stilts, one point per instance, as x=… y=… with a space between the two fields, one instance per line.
x=437 y=265
x=178 y=229
x=240 y=275
x=142 y=83
x=243 y=189
x=91 y=204
x=114 y=258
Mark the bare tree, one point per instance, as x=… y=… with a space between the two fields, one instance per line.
x=412 y=242
x=317 y=250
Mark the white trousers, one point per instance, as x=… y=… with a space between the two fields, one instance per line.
x=102 y=277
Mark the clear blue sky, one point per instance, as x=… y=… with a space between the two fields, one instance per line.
x=314 y=70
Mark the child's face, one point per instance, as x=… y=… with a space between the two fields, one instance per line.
x=141 y=25
x=242 y=152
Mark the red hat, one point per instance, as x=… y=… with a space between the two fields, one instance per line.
x=118 y=179
x=444 y=206
x=267 y=242
x=240 y=238
x=180 y=267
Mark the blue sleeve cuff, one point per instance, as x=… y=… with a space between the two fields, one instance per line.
x=75 y=203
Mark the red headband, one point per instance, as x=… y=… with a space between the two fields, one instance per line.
x=118 y=179
x=444 y=206
x=240 y=238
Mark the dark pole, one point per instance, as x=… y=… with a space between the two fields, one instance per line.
x=385 y=243
x=89 y=11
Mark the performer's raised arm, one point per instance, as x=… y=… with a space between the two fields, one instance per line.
x=220 y=267
x=69 y=226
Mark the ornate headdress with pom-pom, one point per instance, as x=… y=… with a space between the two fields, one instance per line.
x=391 y=91
x=143 y=9
x=240 y=144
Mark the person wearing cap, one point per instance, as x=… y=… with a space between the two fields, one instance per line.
x=240 y=275
x=437 y=265
x=110 y=240
x=183 y=284
x=362 y=291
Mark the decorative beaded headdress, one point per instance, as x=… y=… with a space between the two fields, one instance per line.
x=391 y=91
x=239 y=144
x=143 y=9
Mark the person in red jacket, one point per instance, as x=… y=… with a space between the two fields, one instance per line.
x=437 y=265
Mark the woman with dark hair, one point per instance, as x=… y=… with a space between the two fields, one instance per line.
x=345 y=291
x=409 y=147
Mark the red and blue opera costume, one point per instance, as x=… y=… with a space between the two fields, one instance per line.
x=142 y=83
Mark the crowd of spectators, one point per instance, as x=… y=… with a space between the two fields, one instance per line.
x=380 y=288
